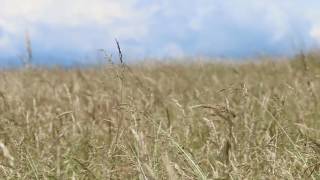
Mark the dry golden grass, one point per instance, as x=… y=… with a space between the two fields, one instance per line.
x=162 y=121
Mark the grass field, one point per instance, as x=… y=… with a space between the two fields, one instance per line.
x=249 y=120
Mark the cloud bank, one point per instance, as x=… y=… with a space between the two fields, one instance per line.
x=148 y=28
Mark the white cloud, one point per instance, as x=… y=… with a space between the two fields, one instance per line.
x=4 y=42
x=150 y=24
x=66 y=12
x=315 y=33
x=198 y=19
x=269 y=15
x=313 y=16
x=173 y=49
x=17 y=15
x=6 y=46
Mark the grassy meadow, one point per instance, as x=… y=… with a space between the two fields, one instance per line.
x=196 y=120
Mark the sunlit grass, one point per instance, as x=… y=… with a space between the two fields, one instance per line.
x=162 y=121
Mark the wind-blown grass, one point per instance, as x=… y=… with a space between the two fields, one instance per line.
x=162 y=121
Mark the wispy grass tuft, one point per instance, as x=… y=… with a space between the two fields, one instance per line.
x=162 y=121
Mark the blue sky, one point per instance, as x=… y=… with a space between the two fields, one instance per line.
x=65 y=31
